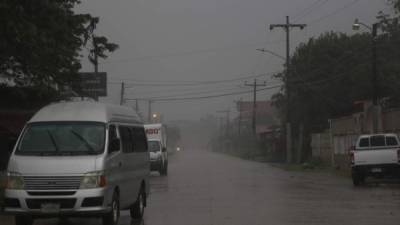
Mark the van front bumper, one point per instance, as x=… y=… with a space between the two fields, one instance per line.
x=88 y=202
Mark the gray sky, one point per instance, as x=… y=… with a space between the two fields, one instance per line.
x=172 y=43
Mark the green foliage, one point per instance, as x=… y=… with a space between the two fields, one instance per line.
x=327 y=74
x=330 y=72
x=28 y=98
x=41 y=41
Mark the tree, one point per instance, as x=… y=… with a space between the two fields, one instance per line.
x=41 y=41
x=327 y=74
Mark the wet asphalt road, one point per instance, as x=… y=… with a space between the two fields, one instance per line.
x=204 y=188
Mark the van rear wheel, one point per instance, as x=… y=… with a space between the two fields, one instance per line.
x=137 y=209
x=23 y=220
x=164 y=169
x=112 y=217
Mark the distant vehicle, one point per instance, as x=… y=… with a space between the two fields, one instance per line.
x=157 y=141
x=79 y=158
x=376 y=155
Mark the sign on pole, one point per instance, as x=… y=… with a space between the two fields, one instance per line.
x=91 y=84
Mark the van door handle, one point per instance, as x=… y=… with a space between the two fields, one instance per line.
x=120 y=164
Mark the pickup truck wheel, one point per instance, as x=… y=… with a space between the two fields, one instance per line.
x=23 y=220
x=137 y=209
x=112 y=217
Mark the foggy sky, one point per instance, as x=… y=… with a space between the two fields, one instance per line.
x=176 y=41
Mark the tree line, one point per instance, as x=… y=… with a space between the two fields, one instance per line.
x=41 y=43
x=330 y=72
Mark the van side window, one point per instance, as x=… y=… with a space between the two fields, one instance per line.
x=140 y=141
x=112 y=135
x=112 y=132
x=126 y=139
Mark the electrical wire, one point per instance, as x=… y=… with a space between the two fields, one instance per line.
x=334 y=12
x=193 y=83
x=316 y=5
x=207 y=96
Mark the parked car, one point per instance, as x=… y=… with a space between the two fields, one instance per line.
x=79 y=158
x=376 y=155
x=157 y=141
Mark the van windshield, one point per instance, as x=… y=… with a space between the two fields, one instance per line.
x=154 y=146
x=62 y=138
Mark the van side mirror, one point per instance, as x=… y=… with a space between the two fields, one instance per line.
x=164 y=149
x=114 y=145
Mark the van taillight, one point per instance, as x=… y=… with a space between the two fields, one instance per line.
x=352 y=157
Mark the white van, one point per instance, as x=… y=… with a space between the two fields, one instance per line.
x=157 y=142
x=79 y=159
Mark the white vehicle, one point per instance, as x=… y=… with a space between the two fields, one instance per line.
x=157 y=142
x=376 y=155
x=79 y=159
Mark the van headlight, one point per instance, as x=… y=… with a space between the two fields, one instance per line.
x=93 y=180
x=15 y=181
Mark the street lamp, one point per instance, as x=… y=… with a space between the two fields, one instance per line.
x=357 y=24
x=374 y=78
x=271 y=52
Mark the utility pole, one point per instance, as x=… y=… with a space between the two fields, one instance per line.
x=95 y=56
x=240 y=115
x=122 y=100
x=221 y=126
x=287 y=27
x=375 y=80
x=255 y=85
x=227 y=120
x=149 y=111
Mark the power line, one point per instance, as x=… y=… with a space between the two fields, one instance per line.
x=208 y=96
x=193 y=83
x=186 y=53
x=313 y=6
x=192 y=93
x=318 y=4
x=334 y=12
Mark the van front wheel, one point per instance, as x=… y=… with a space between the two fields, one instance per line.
x=23 y=220
x=112 y=217
x=137 y=209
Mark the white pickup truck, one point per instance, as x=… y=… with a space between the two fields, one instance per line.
x=375 y=155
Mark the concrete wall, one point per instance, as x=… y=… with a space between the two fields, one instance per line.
x=321 y=147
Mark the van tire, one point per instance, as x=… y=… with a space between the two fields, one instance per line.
x=137 y=209
x=112 y=218
x=23 y=220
